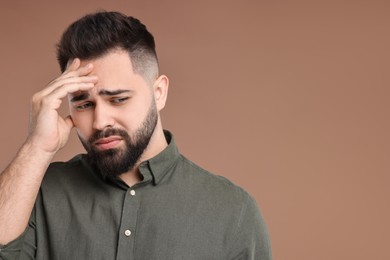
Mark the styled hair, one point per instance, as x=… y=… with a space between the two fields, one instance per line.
x=94 y=35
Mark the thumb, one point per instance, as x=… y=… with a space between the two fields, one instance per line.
x=69 y=122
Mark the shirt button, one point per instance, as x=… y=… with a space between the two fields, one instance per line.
x=132 y=192
x=127 y=232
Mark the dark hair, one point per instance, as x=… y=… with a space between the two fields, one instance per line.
x=96 y=34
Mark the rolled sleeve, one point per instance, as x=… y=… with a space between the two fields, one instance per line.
x=23 y=247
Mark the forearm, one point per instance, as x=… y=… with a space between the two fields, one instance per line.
x=49 y=132
x=19 y=186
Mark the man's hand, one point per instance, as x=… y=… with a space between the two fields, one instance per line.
x=49 y=132
x=20 y=181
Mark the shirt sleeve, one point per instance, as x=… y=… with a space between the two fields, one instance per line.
x=23 y=247
x=251 y=241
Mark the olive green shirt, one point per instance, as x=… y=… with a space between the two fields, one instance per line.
x=178 y=211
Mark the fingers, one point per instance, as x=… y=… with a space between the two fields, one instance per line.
x=73 y=64
x=47 y=127
x=74 y=79
x=71 y=75
x=69 y=122
x=54 y=99
x=77 y=71
x=59 y=93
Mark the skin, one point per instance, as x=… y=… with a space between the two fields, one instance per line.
x=49 y=132
x=120 y=99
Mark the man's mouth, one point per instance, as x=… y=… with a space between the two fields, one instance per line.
x=108 y=142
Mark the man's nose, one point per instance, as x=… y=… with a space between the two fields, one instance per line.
x=103 y=118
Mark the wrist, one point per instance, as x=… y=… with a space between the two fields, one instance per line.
x=32 y=147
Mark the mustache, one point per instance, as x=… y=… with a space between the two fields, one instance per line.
x=106 y=133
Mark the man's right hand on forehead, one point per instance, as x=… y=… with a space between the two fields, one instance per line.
x=48 y=130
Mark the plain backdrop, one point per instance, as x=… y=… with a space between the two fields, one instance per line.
x=288 y=99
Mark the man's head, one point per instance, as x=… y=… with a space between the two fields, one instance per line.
x=118 y=119
x=94 y=35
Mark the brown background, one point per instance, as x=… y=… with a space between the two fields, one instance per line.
x=288 y=100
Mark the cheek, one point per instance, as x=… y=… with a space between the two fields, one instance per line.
x=82 y=123
x=83 y=133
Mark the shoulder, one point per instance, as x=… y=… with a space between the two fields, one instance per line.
x=229 y=206
x=57 y=169
x=212 y=185
x=63 y=174
x=76 y=161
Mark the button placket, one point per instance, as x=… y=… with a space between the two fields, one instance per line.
x=128 y=224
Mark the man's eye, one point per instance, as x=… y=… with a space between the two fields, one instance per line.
x=119 y=100
x=84 y=106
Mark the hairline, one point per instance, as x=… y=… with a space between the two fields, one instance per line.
x=140 y=64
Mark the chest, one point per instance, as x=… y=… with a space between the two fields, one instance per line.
x=133 y=224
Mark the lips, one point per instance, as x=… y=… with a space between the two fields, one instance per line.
x=108 y=142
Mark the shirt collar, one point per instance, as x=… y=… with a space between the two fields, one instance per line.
x=158 y=166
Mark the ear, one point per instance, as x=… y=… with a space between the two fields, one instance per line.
x=160 y=91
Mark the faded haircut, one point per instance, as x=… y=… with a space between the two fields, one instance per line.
x=94 y=35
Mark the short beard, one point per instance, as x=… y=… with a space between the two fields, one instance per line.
x=114 y=162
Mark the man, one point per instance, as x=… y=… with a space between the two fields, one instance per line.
x=133 y=195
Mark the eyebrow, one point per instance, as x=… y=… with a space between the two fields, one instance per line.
x=102 y=92
x=79 y=97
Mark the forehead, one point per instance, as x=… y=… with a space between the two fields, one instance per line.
x=115 y=71
x=116 y=62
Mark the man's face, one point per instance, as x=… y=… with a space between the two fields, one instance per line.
x=117 y=118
